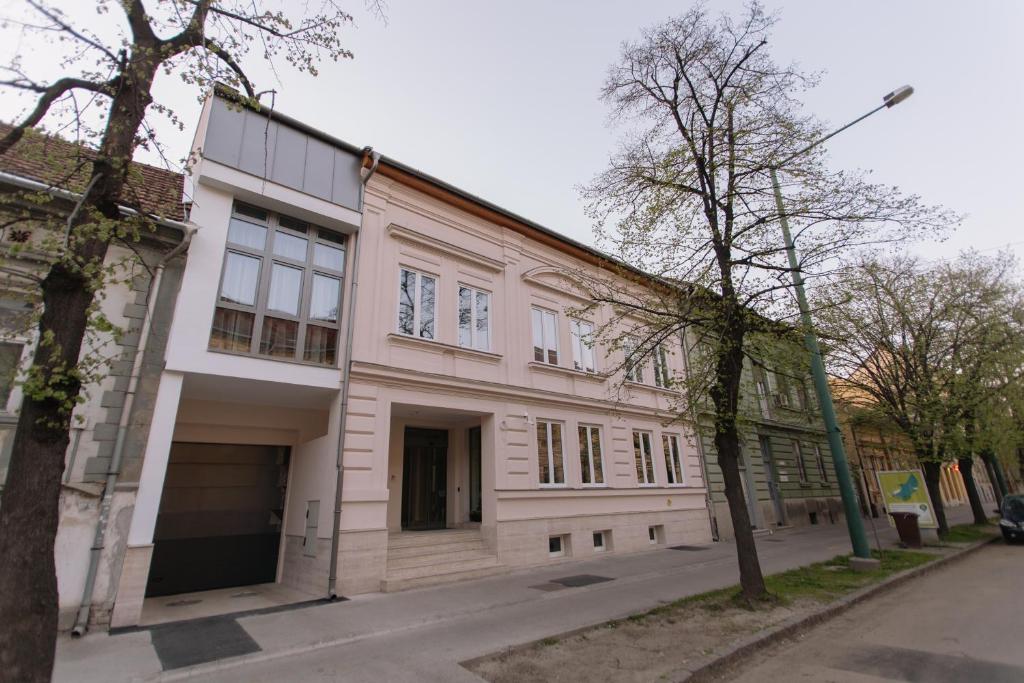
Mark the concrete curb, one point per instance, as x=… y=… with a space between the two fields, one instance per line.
x=707 y=668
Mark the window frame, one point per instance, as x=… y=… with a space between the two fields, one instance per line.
x=640 y=463
x=473 y=292
x=579 y=346
x=676 y=458
x=549 y=440
x=662 y=374
x=267 y=259
x=587 y=428
x=417 y=303
x=546 y=350
x=798 y=457
x=819 y=456
x=634 y=371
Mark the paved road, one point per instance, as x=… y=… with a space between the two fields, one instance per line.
x=960 y=623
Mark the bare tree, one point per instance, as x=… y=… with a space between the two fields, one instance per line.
x=108 y=84
x=931 y=349
x=687 y=197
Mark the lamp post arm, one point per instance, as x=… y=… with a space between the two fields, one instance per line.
x=834 y=133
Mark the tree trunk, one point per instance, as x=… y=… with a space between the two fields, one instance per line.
x=993 y=475
x=932 y=474
x=966 y=465
x=29 y=513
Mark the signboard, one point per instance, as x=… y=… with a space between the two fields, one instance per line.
x=905 y=491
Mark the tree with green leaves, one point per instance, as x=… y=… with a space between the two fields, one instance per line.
x=106 y=94
x=705 y=114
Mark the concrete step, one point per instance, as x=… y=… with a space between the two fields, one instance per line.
x=442 y=565
x=437 y=548
x=390 y=585
x=434 y=557
x=430 y=538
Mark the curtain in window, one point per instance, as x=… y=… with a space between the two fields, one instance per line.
x=285 y=289
x=325 y=298
x=241 y=277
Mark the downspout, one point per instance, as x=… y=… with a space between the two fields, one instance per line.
x=99 y=537
x=708 y=503
x=332 y=578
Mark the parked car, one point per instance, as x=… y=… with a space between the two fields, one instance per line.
x=1011 y=518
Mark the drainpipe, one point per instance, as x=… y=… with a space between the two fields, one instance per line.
x=332 y=578
x=99 y=538
x=708 y=503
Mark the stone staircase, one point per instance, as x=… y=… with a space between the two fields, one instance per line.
x=428 y=558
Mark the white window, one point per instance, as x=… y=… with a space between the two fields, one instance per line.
x=642 y=455
x=673 y=458
x=634 y=366
x=556 y=546
x=474 y=318
x=280 y=290
x=591 y=464
x=545 y=336
x=822 y=467
x=417 y=296
x=582 y=345
x=599 y=542
x=549 y=453
x=801 y=466
x=662 y=376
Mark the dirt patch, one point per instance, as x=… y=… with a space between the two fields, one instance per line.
x=642 y=648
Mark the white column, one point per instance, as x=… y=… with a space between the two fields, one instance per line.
x=154 y=463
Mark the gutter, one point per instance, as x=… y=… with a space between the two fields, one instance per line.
x=332 y=578
x=99 y=537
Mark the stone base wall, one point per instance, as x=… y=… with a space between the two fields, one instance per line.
x=305 y=573
x=525 y=543
x=362 y=561
x=802 y=511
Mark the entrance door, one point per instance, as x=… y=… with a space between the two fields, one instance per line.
x=474 y=474
x=219 y=523
x=773 y=484
x=424 y=479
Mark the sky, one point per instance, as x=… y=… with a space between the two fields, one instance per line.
x=501 y=99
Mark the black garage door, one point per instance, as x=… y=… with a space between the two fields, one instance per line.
x=219 y=523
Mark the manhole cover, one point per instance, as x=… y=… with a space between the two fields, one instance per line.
x=686 y=547
x=581 y=580
x=182 y=603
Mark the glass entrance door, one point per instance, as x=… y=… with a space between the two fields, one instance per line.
x=424 y=479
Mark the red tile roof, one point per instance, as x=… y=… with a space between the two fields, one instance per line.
x=63 y=164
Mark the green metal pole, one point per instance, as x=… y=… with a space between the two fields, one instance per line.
x=828 y=412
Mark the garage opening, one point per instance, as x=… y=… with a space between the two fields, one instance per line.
x=220 y=518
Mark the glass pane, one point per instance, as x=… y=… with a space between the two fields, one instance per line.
x=326 y=256
x=556 y=453
x=577 y=347
x=325 y=297
x=250 y=211
x=321 y=345
x=542 y=452
x=465 y=317
x=595 y=448
x=668 y=459
x=550 y=338
x=427 y=307
x=10 y=356
x=538 y=335
x=241 y=276
x=293 y=224
x=638 y=458
x=232 y=330
x=290 y=246
x=285 y=288
x=330 y=236
x=586 y=331
x=279 y=337
x=482 y=311
x=648 y=460
x=586 y=474
x=247 y=234
x=406 y=308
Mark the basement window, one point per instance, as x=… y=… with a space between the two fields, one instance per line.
x=557 y=546
x=599 y=542
x=656 y=534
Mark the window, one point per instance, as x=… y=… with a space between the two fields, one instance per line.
x=10 y=358
x=644 y=462
x=822 y=466
x=557 y=545
x=761 y=381
x=591 y=465
x=656 y=534
x=662 y=376
x=474 y=318
x=549 y=453
x=673 y=458
x=801 y=466
x=599 y=542
x=280 y=290
x=545 y=336
x=634 y=366
x=417 y=296
x=582 y=345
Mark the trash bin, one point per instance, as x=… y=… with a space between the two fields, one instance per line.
x=907 y=528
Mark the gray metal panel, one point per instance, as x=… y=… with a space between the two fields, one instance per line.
x=258 y=142
x=319 y=169
x=223 y=134
x=346 y=179
x=289 y=167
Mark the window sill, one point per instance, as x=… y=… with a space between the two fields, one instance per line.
x=549 y=487
x=649 y=486
x=418 y=342
x=651 y=387
x=562 y=370
x=593 y=486
x=272 y=359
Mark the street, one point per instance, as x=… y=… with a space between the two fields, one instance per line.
x=959 y=623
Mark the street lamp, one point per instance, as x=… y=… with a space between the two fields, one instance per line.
x=861 y=550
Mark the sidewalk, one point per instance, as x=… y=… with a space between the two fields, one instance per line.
x=422 y=634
